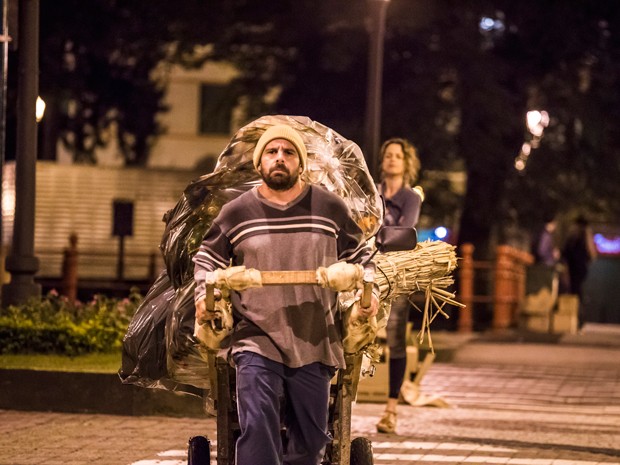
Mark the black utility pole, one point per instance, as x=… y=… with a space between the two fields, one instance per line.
x=376 y=24
x=21 y=262
x=4 y=57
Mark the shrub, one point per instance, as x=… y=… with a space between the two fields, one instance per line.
x=52 y=324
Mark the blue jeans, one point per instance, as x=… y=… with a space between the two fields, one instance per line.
x=262 y=386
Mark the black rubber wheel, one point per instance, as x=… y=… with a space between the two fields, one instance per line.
x=361 y=452
x=199 y=451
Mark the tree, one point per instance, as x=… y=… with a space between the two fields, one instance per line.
x=101 y=67
x=577 y=165
x=445 y=87
x=459 y=78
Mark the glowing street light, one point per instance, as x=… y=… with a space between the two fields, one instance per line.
x=536 y=122
x=40 y=109
x=441 y=232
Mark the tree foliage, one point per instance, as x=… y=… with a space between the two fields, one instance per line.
x=459 y=78
x=100 y=61
x=578 y=163
x=457 y=84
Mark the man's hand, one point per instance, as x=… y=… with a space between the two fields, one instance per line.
x=371 y=310
x=201 y=311
x=202 y=314
x=212 y=326
x=361 y=325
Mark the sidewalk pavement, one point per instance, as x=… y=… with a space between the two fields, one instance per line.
x=516 y=398
x=594 y=345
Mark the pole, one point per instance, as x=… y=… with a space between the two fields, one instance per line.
x=372 y=135
x=4 y=57
x=466 y=288
x=21 y=263
x=120 y=264
x=503 y=293
x=70 y=269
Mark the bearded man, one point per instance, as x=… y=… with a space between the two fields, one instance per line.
x=287 y=340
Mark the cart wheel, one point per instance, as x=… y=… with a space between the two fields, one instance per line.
x=361 y=452
x=199 y=451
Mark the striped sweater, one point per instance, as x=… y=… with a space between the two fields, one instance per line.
x=294 y=325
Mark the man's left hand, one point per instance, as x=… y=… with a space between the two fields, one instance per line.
x=371 y=310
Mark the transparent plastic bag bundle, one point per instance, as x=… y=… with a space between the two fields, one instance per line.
x=173 y=358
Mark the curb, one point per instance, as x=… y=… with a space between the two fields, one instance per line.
x=68 y=392
x=74 y=392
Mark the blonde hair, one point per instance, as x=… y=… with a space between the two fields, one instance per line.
x=412 y=162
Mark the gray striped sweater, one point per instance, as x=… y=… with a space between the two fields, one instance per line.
x=294 y=324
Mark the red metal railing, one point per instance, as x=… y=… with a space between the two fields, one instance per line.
x=508 y=274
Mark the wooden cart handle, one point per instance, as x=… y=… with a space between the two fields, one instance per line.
x=210 y=298
x=288 y=277
x=366 y=294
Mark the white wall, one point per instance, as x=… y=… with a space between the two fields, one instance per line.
x=181 y=146
x=79 y=199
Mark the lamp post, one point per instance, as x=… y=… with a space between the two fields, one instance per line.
x=4 y=58
x=21 y=263
x=376 y=25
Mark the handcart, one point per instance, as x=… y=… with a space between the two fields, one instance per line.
x=342 y=450
x=160 y=348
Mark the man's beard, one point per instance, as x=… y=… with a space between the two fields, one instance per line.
x=283 y=180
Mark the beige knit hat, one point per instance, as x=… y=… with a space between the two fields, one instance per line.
x=281 y=131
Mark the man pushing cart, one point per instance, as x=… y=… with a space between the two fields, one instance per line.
x=285 y=290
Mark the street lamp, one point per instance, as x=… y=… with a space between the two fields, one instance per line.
x=376 y=25
x=4 y=58
x=536 y=122
x=21 y=262
x=39 y=109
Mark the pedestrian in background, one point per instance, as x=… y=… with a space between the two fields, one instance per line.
x=578 y=252
x=545 y=250
x=543 y=283
x=399 y=171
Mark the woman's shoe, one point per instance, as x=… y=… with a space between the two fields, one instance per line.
x=387 y=424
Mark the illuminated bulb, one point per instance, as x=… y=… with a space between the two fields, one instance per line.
x=40 y=109
x=441 y=232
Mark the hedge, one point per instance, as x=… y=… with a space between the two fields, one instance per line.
x=52 y=324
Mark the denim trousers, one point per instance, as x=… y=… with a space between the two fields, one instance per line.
x=275 y=401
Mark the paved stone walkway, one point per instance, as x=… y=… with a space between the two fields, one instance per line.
x=518 y=404
x=497 y=414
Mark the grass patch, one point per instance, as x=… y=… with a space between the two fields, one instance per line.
x=87 y=363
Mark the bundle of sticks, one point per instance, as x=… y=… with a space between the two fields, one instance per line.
x=427 y=268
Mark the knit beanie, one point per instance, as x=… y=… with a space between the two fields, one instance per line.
x=281 y=131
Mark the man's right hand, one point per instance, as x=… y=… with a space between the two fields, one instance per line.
x=202 y=314
x=201 y=311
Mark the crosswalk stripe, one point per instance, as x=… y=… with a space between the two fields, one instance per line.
x=176 y=457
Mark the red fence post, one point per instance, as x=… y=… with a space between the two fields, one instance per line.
x=466 y=288
x=503 y=292
x=523 y=260
x=69 y=269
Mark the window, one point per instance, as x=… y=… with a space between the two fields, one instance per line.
x=216 y=104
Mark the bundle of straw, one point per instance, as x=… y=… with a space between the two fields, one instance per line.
x=427 y=268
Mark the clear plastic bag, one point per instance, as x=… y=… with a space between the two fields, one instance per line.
x=159 y=350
